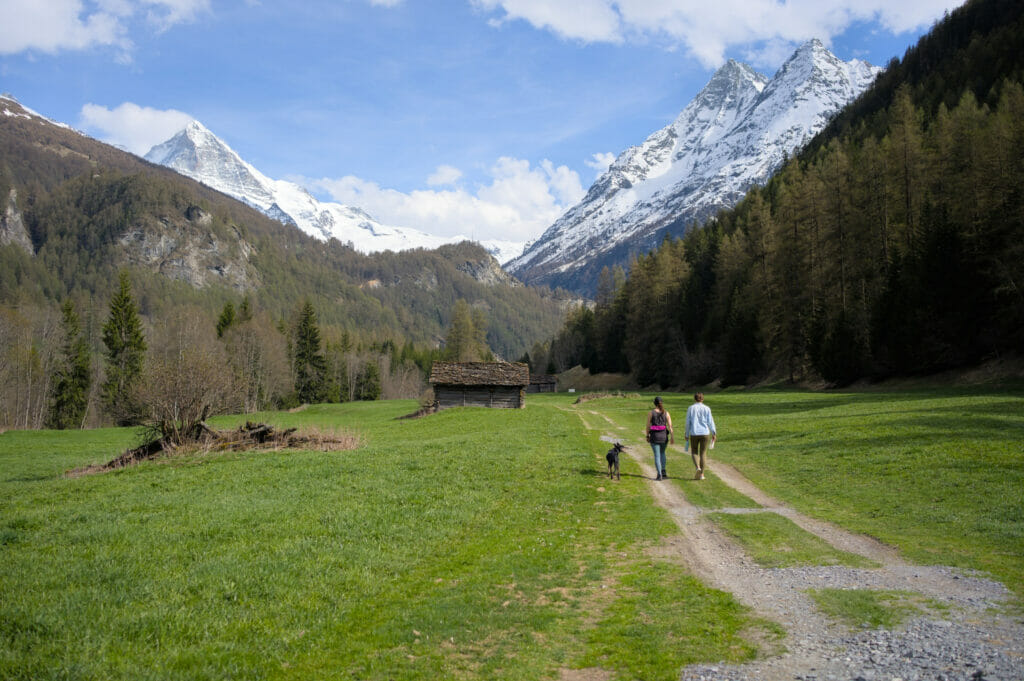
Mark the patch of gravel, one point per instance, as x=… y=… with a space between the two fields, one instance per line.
x=922 y=650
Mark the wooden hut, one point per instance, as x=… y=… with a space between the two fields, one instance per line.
x=542 y=383
x=479 y=384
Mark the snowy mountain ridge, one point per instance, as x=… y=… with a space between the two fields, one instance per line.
x=199 y=154
x=733 y=135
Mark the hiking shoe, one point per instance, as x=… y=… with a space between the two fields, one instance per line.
x=699 y=475
x=702 y=475
x=659 y=477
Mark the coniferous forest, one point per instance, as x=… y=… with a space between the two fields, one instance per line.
x=892 y=245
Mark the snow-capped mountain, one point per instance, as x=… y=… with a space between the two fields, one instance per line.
x=199 y=154
x=733 y=135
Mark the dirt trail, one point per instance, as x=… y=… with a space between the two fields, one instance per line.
x=817 y=648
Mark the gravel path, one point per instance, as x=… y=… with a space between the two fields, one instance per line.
x=970 y=639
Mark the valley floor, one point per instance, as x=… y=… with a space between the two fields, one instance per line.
x=843 y=535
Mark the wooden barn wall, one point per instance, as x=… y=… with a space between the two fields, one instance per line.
x=505 y=397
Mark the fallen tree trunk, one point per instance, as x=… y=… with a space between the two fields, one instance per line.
x=249 y=437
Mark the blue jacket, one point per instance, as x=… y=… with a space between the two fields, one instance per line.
x=699 y=420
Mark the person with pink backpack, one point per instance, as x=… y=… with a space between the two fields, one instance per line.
x=659 y=434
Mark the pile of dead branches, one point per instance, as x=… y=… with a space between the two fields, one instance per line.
x=600 y=396
x=200 y=438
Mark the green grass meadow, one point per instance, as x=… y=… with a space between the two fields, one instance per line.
x=470 y=544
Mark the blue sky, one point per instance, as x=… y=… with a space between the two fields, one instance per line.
x=480 y=117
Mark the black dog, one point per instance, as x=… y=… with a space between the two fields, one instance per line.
x=613 y=460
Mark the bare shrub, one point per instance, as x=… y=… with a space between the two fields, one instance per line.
x=404 y=382
x=258 y=355
x=187 y=379
x=28 y=339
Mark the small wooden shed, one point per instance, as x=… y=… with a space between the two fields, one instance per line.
x=542 y=383
x=480 y=384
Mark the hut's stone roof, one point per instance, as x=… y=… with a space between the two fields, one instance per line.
x=480 y=373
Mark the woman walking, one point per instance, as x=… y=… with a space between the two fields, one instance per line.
x=700 y=431
x=659 y=434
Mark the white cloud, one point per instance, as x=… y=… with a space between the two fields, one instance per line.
x=444 y=175
x=54 y=25
x=133 y=127
x=588 y=20
x=519 y=202
x=166 y=13
x=706 y=29
x=600 y=161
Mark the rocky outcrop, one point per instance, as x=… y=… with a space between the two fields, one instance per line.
x=186 y=249
x=12 y=225
x=487 y=271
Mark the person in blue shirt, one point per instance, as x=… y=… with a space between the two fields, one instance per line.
x=700 y=433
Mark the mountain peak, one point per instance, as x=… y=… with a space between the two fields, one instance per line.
x=733 y=71
x=196 y=152
x=814 y=45
x=733 y=135
x=728 y=85
x=814 y=54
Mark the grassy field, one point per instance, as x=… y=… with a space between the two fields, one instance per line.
x=938 y=473
x=470 y=544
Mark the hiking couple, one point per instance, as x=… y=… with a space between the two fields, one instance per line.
x=700 y=433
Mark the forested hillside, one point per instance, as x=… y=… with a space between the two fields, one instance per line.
x=894 y=244
x=75 y=213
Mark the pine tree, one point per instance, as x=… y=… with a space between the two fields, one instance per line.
x=227 y=318
x=69 y=395
x=245 y=310
x=368 y=386
x=466 y=339
x=126 y=349
x=309 y=362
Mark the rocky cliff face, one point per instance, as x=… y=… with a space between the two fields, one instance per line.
x=12 y=226
x=487 y=271
x=732 y=136
x=184 y=248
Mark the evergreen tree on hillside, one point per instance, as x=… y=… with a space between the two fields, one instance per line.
x=226 y=319
x=126 y=349
x=466 y=339
x=368 y=385
x=69 y=392
x=245 y=310
x=309 y=362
